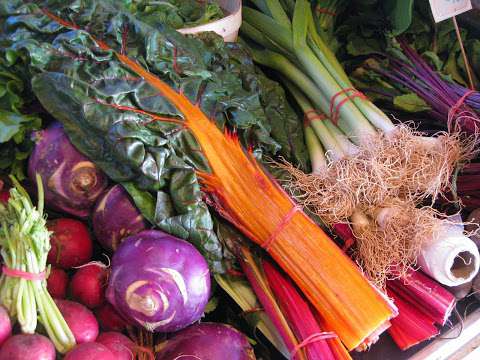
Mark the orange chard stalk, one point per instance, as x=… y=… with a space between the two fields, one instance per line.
x=257 y=205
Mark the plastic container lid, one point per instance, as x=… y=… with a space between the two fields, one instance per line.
x=226 y=27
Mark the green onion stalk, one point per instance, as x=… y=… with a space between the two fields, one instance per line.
x=284 y=36
x=390 y=232
x=25 y=243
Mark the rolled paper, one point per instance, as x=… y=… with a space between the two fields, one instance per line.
x=450 y=258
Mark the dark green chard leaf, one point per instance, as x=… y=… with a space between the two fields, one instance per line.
x=474 y=50
x=400 y=14
x=148 y=157
x=156 y=161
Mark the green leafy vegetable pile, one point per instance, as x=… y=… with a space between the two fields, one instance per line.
x=73 y=78
x=16 y=123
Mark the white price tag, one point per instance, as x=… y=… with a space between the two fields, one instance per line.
x=445 y=9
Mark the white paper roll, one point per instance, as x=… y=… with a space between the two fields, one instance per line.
x=451 y=258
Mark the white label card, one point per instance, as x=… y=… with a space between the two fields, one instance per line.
x=445 y=9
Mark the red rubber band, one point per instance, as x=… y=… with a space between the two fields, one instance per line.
x=281 y=226
x=341 y=92
x=320 y=10
x=312 y=115
x=335 y=109
x=23 y=274
x=311 y=339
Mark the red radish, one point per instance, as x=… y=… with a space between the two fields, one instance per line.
x=109 y=318
x=89 y=283
x=71 y=243
x=5 y=325
x=27 y=347
x=90 y=351
x=80 y=320
x=121 y=346
x=4 y=196
x=57 y=283
x=4 y=193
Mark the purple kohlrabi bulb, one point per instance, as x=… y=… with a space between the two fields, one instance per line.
x=212 y=341
x=115 y=217
x=71 y=181
x=158 y=281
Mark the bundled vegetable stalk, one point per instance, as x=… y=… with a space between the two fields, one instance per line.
x=369 y=177
x=422 y=304
x=259 y=284
x=25 y=243
x=449 y=103
x=239 y=289
x=452 y=104
x=289 y=311
x=468 y=186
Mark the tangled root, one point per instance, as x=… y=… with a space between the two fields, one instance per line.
x=414 y=166
x=377 y=191
x=403 y=165
x=390 y=238
x=327 y=195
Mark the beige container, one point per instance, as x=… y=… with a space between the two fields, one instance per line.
x=226 y=27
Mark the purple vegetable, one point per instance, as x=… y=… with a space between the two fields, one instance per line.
x=5 y=325
x=210 y=341
x=115 y=217
x=158 y=281
x=72 y=182
x=27 y=347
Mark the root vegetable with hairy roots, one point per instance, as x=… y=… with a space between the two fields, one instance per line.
x=376 y=189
